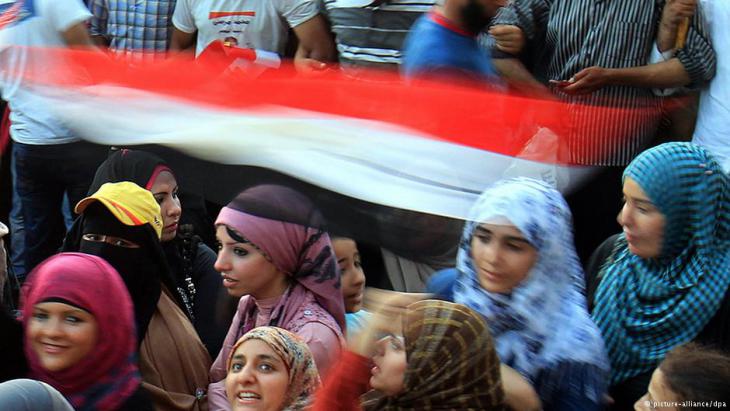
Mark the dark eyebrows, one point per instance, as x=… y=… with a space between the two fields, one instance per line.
x=639 y=200
x=512 y=238
x=516 y=239
x=482 y=230
x=265 y=357
x=341 y=260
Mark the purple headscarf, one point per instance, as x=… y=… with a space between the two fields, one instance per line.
x=289 y=230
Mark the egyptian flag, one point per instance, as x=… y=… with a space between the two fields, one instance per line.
x=372 y=153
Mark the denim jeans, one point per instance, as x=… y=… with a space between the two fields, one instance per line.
x=44 y=174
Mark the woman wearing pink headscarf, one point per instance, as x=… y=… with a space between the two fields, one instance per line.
x=275 y=254
x=79 y=333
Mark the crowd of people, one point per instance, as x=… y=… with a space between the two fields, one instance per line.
x=613 y=297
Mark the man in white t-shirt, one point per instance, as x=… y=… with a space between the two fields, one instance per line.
x=258 y=24
x=713 y=118
x=49 y=161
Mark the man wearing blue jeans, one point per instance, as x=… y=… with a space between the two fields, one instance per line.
x=49 y=161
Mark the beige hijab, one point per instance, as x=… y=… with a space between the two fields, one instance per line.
x=173 y=362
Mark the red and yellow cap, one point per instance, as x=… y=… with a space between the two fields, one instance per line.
x=129 y=203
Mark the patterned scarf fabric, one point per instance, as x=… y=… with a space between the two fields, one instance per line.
x=645 y=307
x=288 y=230
x=108 y=374
x=452 y=364
x=303 y=375
x=544 y=320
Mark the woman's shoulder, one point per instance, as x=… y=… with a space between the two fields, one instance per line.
x=596 y=262
x=441 y=283
x=572 y=385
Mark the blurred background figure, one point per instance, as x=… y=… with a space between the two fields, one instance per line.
x=370 y=33
x=352 y=282
x=31 y=395
x=132 y=29
x=49 y=162
x=689 y=373
x=438 y=355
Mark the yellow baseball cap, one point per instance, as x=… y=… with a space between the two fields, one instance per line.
x=129 y=203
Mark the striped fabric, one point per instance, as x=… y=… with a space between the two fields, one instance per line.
x=452 y=362
x=373 y=35
x=571 y=35
x=134 y=26
x=644 y=308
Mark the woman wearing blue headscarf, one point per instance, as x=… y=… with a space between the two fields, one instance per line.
x=517 y=266
x=663 y=281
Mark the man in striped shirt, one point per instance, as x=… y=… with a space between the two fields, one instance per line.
x=370 y=33
x=595 y=53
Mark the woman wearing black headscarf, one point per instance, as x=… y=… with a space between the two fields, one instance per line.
x=121 y=223
x=190 y=261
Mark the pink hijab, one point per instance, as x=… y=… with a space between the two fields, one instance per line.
x=108 y=375
x=286 y=227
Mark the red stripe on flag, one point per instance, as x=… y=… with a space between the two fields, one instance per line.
x=219 y=14
x=494 y=121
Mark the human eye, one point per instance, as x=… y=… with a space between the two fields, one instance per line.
x=40 y=316
x=175 y=192
x=236 y=366
x=515 y=246
x=72 y=319
x=93 y=237
x=160 y=198
x=266 y=367
x=483 y=237
x=120 y=242
x=358 y=263
x=240 y=251
x=396 y=344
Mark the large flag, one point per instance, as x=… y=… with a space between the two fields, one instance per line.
x=428 y=147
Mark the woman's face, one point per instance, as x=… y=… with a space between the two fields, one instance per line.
x=390 y=365
x=353 y=277
x=660 y=397
x=502 y=257
x=258 y=379
x=642 y=222
x=165 y=191
x=245 y=270
x=61 y=334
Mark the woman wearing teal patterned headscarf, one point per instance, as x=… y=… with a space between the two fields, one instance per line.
x=668 y=273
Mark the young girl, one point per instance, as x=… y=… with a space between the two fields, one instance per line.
x=79 y=333
x=271 y=369
x=276 y=256
x=517 y=266
x=352 y=279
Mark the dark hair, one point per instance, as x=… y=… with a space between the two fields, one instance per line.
x=697 y=374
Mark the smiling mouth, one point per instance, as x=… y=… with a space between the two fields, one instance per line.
x=247 y=396
x=49 y=348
